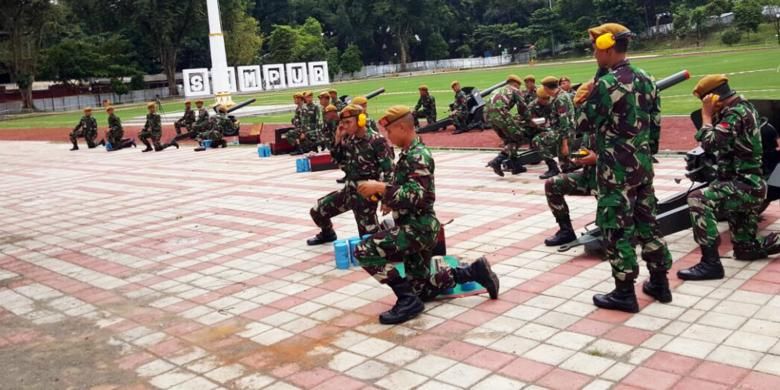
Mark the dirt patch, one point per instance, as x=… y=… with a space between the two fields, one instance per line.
x=71 y=354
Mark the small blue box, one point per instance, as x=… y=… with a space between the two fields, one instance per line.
x=353 y=243
x=341 y=250
x=206 y=144
x=109 y=147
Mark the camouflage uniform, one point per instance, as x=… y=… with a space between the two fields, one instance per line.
x=86 y=128
x=306 y=123
x=428 y=105
x=410 y=194
x=329 y=132
x=498 y=112
x=560 y=121
x=186 y=121
x=215 y=132
x=460 y=106
x=371 y=126
x=152 y=129
x=575 y=183
x=202 y=122
x=115 y=133
x=622 y=111
x=740 y=188
x=529 y=95
x=362 y=158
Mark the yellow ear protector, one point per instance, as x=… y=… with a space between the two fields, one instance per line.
x=606 y=41
x=715 y=98
x=362 y=120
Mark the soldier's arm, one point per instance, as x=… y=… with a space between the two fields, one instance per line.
x=386 y=156
x=655 y=123
x=564 y=123
x=79 y=125
x=157 y=125
x=718 y=138
x=411 y=194
x=418 y=105
x=597 y=109
x=433 y=104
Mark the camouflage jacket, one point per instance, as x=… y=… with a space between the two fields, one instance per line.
x=310 y=118
x=735 y=139
x=153 y=123
x=561 y=117
x=189 y=116
x=538 y=110
x=114 y=124
x=372 y=126
x=328 y=131
x=369 y=157
x=503 y=100
x=461 y=102
x=622 y=111
x=203 y=116
x=411 y=192
x=87 y=123
x=529 y=95
x=223 y=124
x=428 y=103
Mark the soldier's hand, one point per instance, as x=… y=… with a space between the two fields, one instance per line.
x=370 y=188
x=588 y=160
x=708 y=108
x=565 y=147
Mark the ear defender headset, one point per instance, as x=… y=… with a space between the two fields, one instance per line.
x=606 y=41
x=362 y=120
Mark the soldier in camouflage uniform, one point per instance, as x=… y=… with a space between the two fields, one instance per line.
x=153 y=129
x=511 y=129
x=425 y=108
x=115 y=132
x=730 y=131
x=622 y=110
x=187 y=120
x=410 y=196
x=363 y=156
x=560 y=126
x=370 y=123
x=530 y=89
x=86 y=128
x=565 y=84
x=305 y=136
x=222 y=124
x=334 y=100
x=202 y=122
x=459 y=109
x=574 y=183
x=330 y=122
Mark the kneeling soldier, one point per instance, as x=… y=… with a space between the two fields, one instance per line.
x=86 y=128
x=410 y=196
x=153 y=129
x=115 y=132
x=425 y=108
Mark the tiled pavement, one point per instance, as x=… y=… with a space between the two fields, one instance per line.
x=179 y=270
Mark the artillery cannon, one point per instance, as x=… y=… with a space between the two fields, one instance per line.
x=476 y=107
x=346 y=99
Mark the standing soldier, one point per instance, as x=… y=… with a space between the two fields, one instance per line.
x=363 y=156
x=222 y=124
x=730 y=131
x=334 y=99
x=310 y=121
x=370 y=123
x=202 y=122
x=153 y=129
x=86 y=128
x=498 y=112
x=575 y=183
x=623 y=109
x=459 y=109
x=425 y=108
x=187 y=120
x=115 y=132
x=561 y=126
x=297 y=136
x=532 y=55
x=530 y=89
x=410 y=196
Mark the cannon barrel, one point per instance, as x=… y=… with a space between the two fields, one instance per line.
x=346 y=99
x=238 y=106
x=672 y=80
x=492 y=88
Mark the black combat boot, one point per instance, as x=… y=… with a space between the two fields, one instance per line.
x=172 y=143
x=342 y=180
x=406 y=307
x=564 y=235
x=297 y=152
x=709 y=268
x=479 y=271
x=517 y=167
x=749 y=251
x=552 y=169
x=496 y=164
x=91 y=145
x=658 y=287
x=326 y=235
x=148 y=146
x=622 y=298
x=158 y=147
x=102 y=142
x=75 y=146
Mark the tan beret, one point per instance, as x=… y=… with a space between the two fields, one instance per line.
x=541 y=93
x=552 y=80
x=298 y=95
x=529 y=77
x=307 y=93
x=393 y=114
x=187 y=102
x=359 y=100
x=221 y=108
x=199 y=101
x=515 y=78
x=423 y=87
x=350 y=110
x=109 y=108
x=324 y=94
x=605 y=28
x=331 y=108
x=582 y=93
x=87 y=109
x=564 y=78
x=452 y=84
x=332 y=91
x=151 y=105
x=708 y=83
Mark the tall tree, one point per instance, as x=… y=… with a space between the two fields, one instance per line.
x=747 y=15
x=402 y=17
x=243 y=38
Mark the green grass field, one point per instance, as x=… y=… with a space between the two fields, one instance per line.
x=754 y=73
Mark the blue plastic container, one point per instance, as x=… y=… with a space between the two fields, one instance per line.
x=206 y=144
x=341 y=250
x=299 y=165
x=267 y=148
x=260 y=151
x=353 y=243
x=469 y=286
x=306 y=164
x=109 y=147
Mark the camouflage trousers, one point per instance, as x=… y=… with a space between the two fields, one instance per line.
x=89 y=136
x=309 y=142
x=411 y=244
x=144 y=136
x=461 y=120
x=341 y=201
x=214 y=135
x=626 y=217
x=575 y=183
x=198 y=128
x=430 y=116
x=510 y=133
x=182 y=123
x=739 y=200
x=548 y=143
x=114 y=136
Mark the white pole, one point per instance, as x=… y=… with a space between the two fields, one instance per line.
x=219 y=73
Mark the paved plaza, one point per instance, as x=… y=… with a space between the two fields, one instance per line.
x=181 y=270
